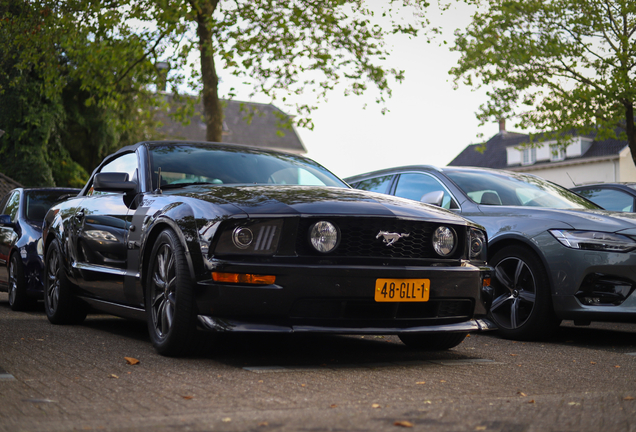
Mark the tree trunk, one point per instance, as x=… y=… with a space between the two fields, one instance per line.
x=629 y=129
x=211 y=104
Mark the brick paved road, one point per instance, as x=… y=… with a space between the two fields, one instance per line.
x=59 y=378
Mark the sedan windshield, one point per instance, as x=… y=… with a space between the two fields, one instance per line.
x=513 y=189
x=189 y=164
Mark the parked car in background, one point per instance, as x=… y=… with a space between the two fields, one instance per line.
x=610 y=196
x=240 y=239
x=557 y=256
x=22 y=212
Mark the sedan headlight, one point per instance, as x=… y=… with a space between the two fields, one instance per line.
x=444 y=241
x=594 y=240
x=477 y=244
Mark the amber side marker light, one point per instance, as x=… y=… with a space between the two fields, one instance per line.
x=486 y=282
x=243 y=278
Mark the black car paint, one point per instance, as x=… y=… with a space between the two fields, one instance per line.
x=111 y=277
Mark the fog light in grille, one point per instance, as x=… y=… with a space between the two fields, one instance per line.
x=242 y=237
x=244 y=278
x=324 y=236
x=444 y=241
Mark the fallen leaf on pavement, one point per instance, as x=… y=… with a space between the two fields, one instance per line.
x=531 y=401
x=480 y=428
x=421 y=382
x=617 y=366
x=131 y=360
x=113 y=376
x=333 y=405
x=188 y=397
x=522 y=394
x=592 y=362
x=514 y=355
x=629 y=398
x=226 y=420
x=263 y=424
x=403 y=423
x=375 y=406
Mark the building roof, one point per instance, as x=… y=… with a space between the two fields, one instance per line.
x=264 y=130
x=495 y=154
x=6 y=184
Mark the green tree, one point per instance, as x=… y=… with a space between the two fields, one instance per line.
x=285 y=48
x=74 y=86
x=562 y=67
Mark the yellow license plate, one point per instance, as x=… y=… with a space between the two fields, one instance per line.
x=402 y=290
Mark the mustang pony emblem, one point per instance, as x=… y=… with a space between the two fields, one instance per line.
x=389 y=238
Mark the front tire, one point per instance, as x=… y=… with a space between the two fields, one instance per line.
x=432 y=341
x=170 y=306
x=19 y=300
x=522 y=306
x=60 y=305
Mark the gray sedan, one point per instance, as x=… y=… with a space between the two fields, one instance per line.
x=557 y=256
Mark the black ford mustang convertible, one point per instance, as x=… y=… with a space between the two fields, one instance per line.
x=234 y=238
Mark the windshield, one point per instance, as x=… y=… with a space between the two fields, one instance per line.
x=187 y=164
x=513 y=189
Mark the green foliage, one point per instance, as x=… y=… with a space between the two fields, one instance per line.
x=565 y=67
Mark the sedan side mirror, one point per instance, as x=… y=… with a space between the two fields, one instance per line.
x=435 y=198
x=5 y=220
x=113 y=182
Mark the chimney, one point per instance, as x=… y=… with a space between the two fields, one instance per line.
x=502 y=125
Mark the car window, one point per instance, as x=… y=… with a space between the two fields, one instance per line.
x=376 y=184
x=191 y=164
x=609 y=199
x=417 y=186
x=13 y=203
x=515 y=189
x=38 y=202
x=126 y=163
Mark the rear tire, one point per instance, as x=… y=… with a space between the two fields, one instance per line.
x=170 y=306
x=432 y=341
x=19 y=300
x=60 y=304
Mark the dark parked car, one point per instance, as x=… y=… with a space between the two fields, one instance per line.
x=610 y=196
x=234 y=238
x=22 y=211
x=556 y=255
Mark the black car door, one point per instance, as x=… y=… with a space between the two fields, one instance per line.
x=8 y=235
x=102 y=222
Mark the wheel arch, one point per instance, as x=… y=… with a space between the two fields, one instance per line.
x=162 y=223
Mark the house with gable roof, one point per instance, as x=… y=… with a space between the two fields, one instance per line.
x=249 y=123
x=584 y=161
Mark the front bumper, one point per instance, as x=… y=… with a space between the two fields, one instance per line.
x=340 y=299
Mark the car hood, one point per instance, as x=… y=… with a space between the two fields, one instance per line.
x=309 y=200
x=584 y=219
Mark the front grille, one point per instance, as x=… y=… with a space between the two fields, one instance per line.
x=339 y=309
x=359 y=238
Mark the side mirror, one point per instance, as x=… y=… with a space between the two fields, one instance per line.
x=113 y=182
x=435 y=198
x=5 y=220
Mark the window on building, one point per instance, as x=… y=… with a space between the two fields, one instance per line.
x=529 y=156
x=557 y=153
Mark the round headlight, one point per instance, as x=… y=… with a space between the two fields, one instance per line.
x=242 y=237
x=324 y=236
x=444 y=241
x=477 y=241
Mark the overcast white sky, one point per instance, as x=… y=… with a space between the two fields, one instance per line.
x=428 y=122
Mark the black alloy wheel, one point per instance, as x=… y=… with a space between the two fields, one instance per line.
x=170 y=306
x=522 y=305
x=19 y=300
x=60 y=305
x=432 y=341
